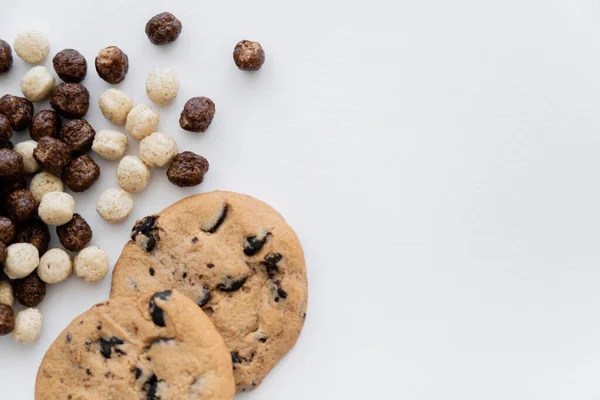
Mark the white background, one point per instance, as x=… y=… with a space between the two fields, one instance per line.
x=440 y=161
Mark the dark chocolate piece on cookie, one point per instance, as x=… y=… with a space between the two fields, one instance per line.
x=108 y=345
x=254 y=244
x=158 y=316
x=231 y=285
x=213 y=227
x=149 y=231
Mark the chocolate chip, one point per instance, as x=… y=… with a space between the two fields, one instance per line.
x=68 y=338
x=7 y=319
x=210 y=266
x=20 y=205
x=159 y=341
x=45 y=123
x=148 y=230
x=195 y=239
x=107 y=346
x=282 y=294
x=151 y=271
x=270 y=262
x=35 y=232
x=88 y=372
x=151 y=386
x=163 y=28
x=220 y=220
x=79 y=135
x=5 y=128
x=197 y=114
x=6 y=58
x=231 y=285
x=52 y=154
x=248 y=56
x=8 y=230
x=137 y=372
x=205 y=298
x=112 y=64
x=71 y=100
x=263 y=339
x=187 y=169
x=254 y=244
x=81 y=173
x=29 y=291
x=18 y=110
x=156 y=312
x=235 y=357
x=70 y=65
x=11 y=163
x=75 y=234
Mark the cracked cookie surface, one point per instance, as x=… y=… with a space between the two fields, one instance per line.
x=235 y=257
x=157 y=346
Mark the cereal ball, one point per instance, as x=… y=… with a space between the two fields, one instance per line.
x=36 y=233
x=21 y=260
x=11 y=183
x=81 y=173
x=11 y=162
x=37 y=84
x=52 y=154
x=163 y=28
x=29 y=291
x=75 y=234
x=70 y=65
x=112 y=64
x=20 y=205
x=55 y=266
x=45 y=123
x=3 y=253
x=6 y=144
x=8 y=230
x=110 y=145
x=43 y=183
x=91 y=264
x=7 y=319
x=248 y=56
x=115 y=105
x=197 y=114
x=28 y=326
x=132 y=174
x=5 y=128
x=6 y=58
x=142 y=121
x=71 y=100
x=158 y=149
x=25 y=149
x=56 y=208
x=187 y=169
x=115 y=205
x=32 y=46
x=78 y=135
x=18 y=110
x=6 y=293
x=162 y=86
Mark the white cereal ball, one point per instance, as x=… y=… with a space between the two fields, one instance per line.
x=132 y=174
x=162 y=86
x=55 y=266
x=91 y=264
x=6 y=293
x=37 y=84
x=158 y=149
x=115 y=105
x=28 y=326
x=43 y=183
x=110 y=145
x=115 y=205
x=56 y=208
x=25 y=149
x=142 y=121
x=21 y=260
x=32 y=46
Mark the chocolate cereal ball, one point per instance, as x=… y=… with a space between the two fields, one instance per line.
x=20 y=205
x=71 y=100
x=7 y=319
x=81 y=173
x=248 y=56
x=6 y=58
x=11 y=163
x=75 y=234
x=12 y=183
x=78 y=135
x=187 y=169
x=52 y=154
x=163 y=28
x=197 y=114
x=45 y=123
x=18 y=110
x=3 y=252
x=36 y=233
x=29 y=291
x=5 y=128
x=112 y=64
x=70 y=65
x=8 y=230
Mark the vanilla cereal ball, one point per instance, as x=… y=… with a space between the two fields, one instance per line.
x=142 y=120
x=32 y=46
x=43 y=183
x=115 y=105
x=110 y=145
x=56 y=208
x=28 y=326
x=6 y=293
x=37 y=84
x=132 y=174
x=162 y=86
x=115 y=205
x=55 y=266
x=21 y=260
x=91 y=264
x=25 y=149
x=158 y=149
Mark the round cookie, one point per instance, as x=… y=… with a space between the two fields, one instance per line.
x=237 y=258
x=158 y=346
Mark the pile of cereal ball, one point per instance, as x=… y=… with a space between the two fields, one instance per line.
x=35 y=172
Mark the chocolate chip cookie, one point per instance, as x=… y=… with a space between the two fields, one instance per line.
x=235 y=257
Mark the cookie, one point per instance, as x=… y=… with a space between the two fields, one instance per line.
x=234 y=256
x=157 y=346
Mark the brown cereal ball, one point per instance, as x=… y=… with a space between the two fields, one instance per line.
x=5 y=128
x=79 y=135
x=163 y=28
x=197 y=114
x=20 y=205
x=8 y=230
x=75 y=234
x=52 y=154
x=29 y=291
x=248 y=56
x=3 y=252
x=187 y=169
x=71 y=100
x=6 y=144
x=18 y=110
x=81 y=173
x=45 y=123
x=112 y=64
x=36 y=233
x=11 y=183
x=6 y=58
x=70 y=65
x=7 y=319
x=11 y=163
